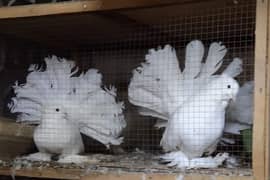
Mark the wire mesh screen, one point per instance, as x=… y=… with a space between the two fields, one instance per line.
x=148 y=100
x=184 y=89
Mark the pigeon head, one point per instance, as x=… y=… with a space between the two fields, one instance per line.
x=231 y=88
x=53 y=112
x=223 y=88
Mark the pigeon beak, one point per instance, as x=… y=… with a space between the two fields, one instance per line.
x=230 y=98
x=66 y=115
x=233 y=98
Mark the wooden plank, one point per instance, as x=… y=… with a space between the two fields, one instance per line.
x=79 y=6
x=154 y=15
x=117 y=25
x=15 y=139
x=9 y=127
x=267 y=115
x=12 y=147
x=261 y=57
x=84 y=175
x=43 y=173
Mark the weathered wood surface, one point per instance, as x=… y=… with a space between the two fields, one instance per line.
x=261 y=109
x=126 y=166
x=15 y=139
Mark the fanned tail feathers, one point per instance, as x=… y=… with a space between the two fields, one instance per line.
x=94 y=109
x=40 y=88
x=154 y=80
x=159 y=87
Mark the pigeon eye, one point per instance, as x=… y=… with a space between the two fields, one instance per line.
x=57 y=110
x=229 y=86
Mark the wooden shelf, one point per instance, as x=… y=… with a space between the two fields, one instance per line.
x=15 y=138
x=79 y=7
x=50 y=24
x=132 y=165
x=75 y=174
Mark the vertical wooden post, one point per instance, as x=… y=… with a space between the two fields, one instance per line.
x=267 y=114
x=261 y=98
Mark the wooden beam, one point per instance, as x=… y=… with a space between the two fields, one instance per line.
x=260 y=109
x=79 y=7
x=61 y=173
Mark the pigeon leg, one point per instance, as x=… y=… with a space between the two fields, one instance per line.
x=39 y=156
x=177 y=158
x=208 y=162
x=116 y=149
x=180 y=160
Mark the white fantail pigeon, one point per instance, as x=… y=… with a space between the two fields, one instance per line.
x=64 y=104
x=196 y=127
x=190 y=103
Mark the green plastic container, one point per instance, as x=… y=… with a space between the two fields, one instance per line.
x=247 y=139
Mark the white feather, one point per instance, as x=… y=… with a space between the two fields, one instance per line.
x=162 y=74
x=235 y=68
x=235 y=127
x=214 y=59
x=194 y=56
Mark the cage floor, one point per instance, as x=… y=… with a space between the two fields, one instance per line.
x=136 y=162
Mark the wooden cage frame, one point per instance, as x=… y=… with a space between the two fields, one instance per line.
x=261 y=167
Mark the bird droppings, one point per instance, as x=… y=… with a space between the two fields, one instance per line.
x=125 y=163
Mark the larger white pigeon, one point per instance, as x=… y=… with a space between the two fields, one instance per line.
x=65 y=104
x=185 y=99
x=196 y=127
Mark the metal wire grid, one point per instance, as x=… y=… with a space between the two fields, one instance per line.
x=234 y=26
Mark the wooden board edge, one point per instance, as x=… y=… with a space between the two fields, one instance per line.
x=260 y=91
x=79 y=7
x=84 y=175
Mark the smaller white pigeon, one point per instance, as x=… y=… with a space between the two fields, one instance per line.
x=64 y=105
